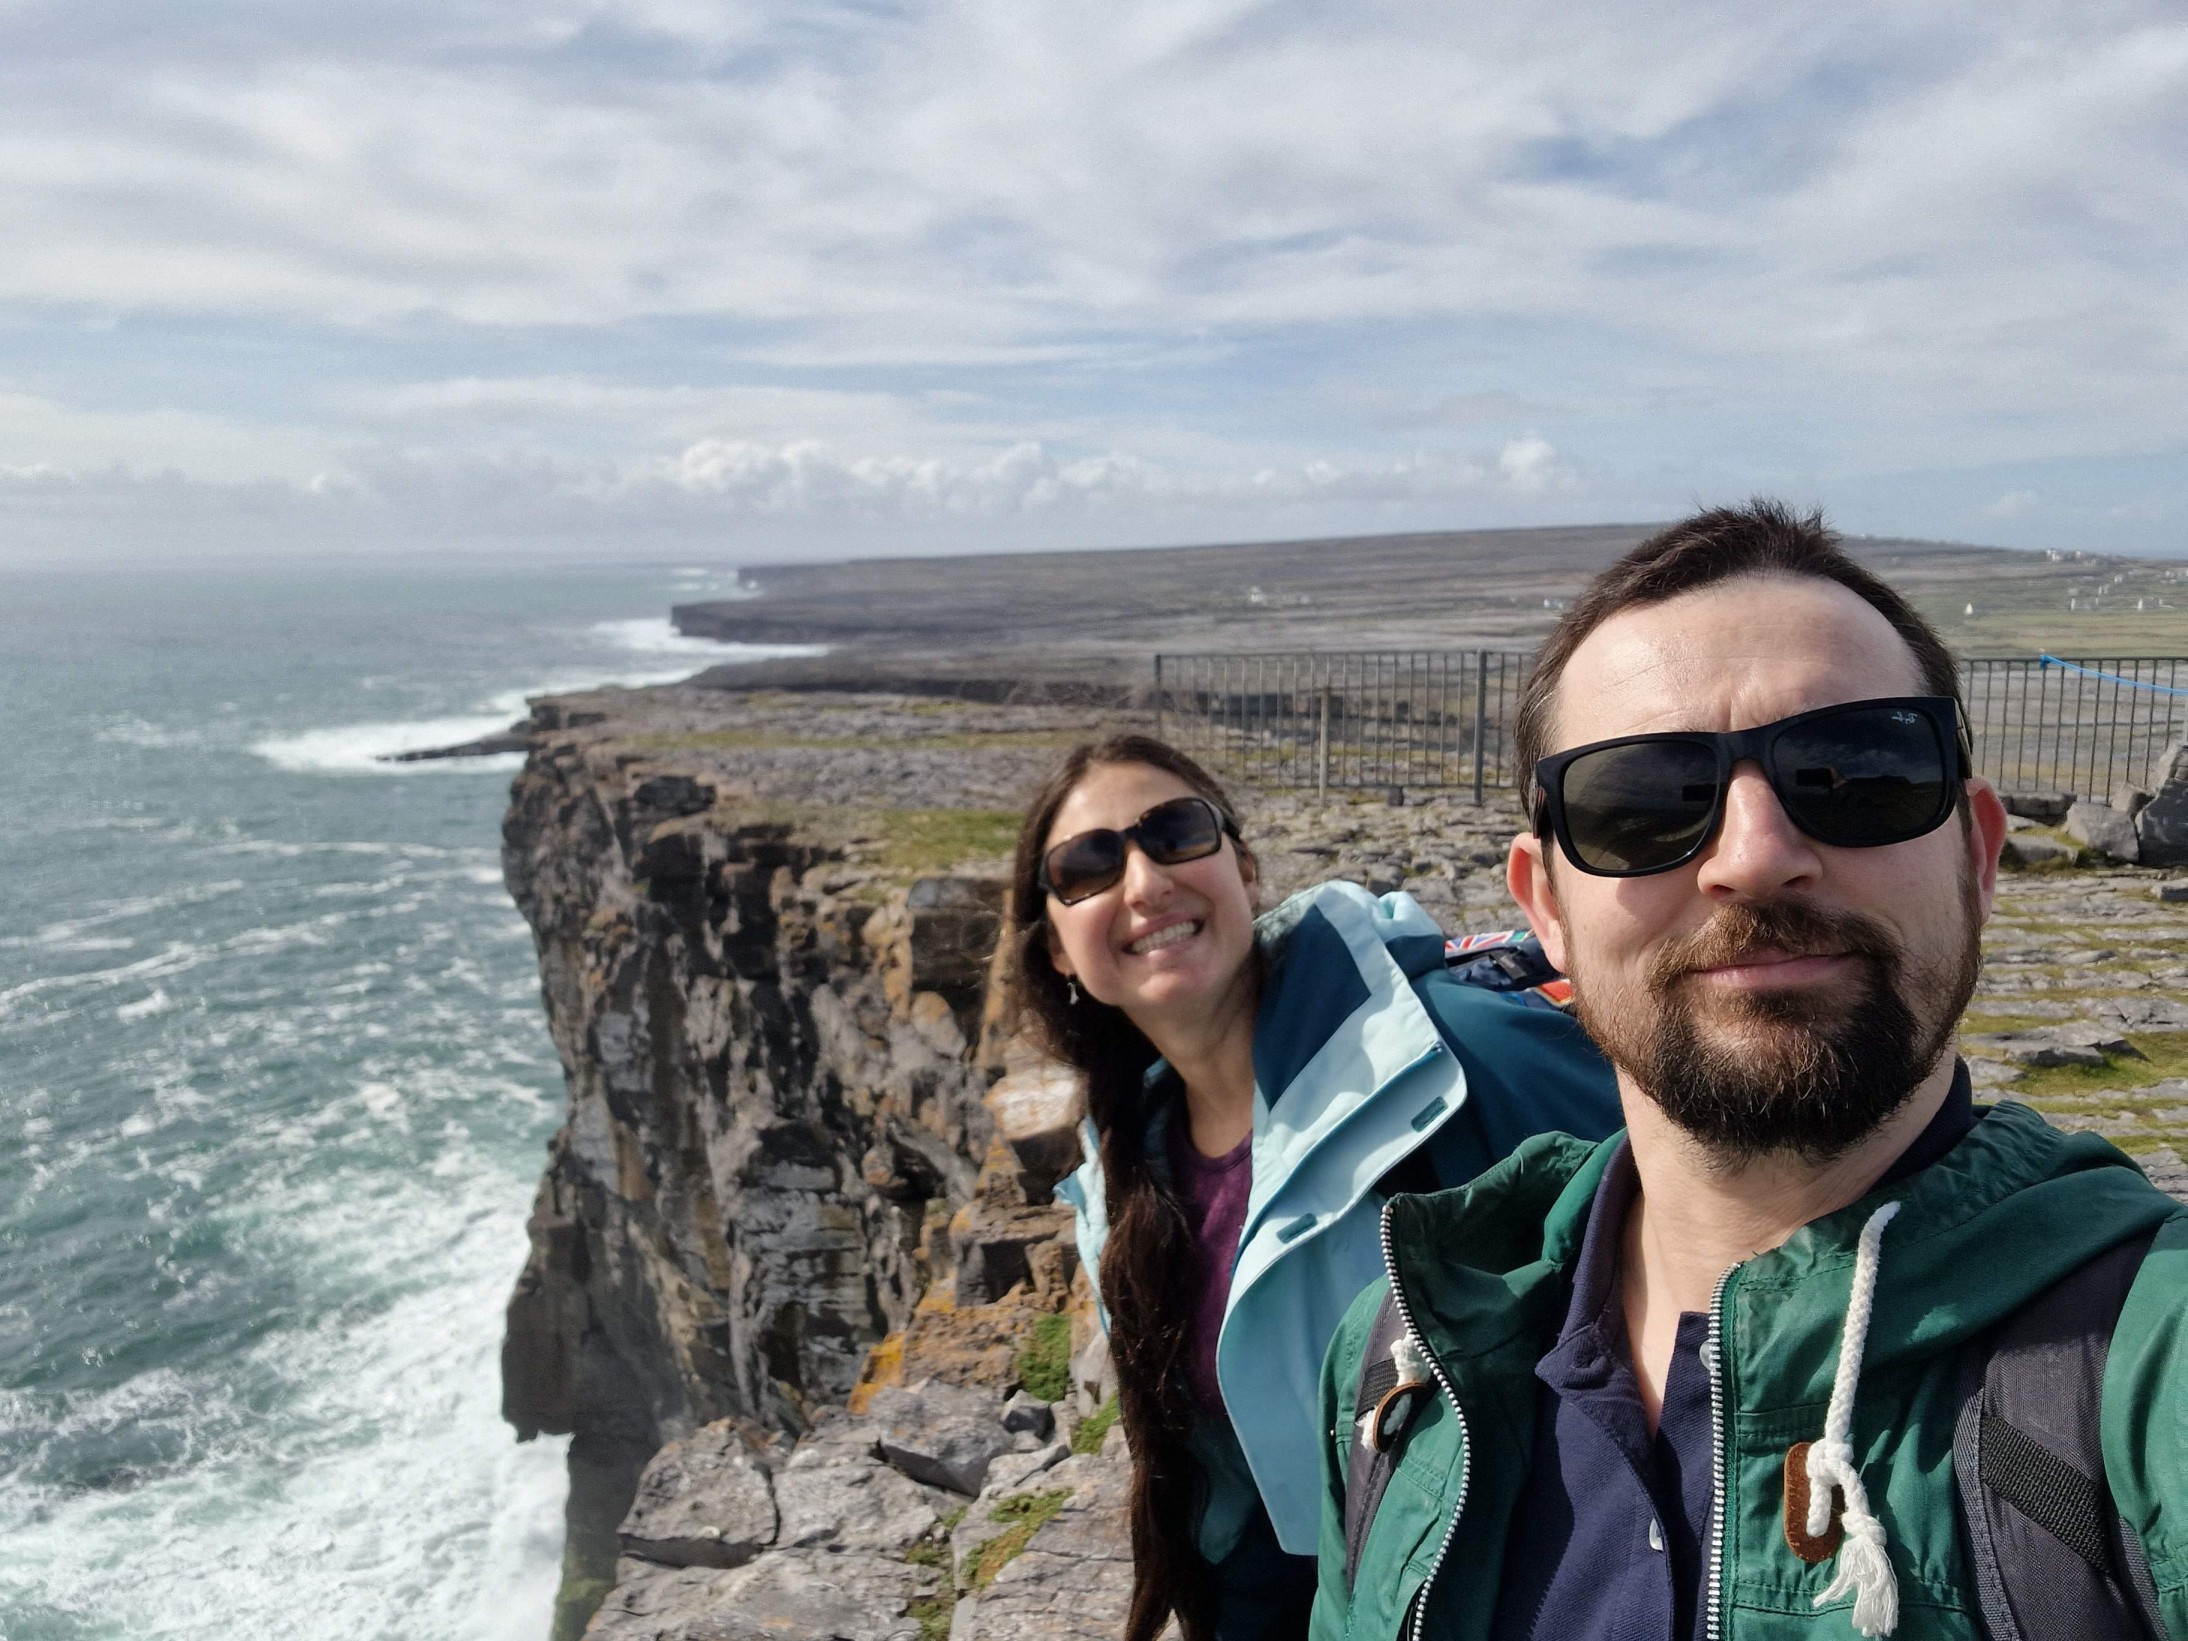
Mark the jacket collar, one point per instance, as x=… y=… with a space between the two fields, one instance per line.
x=1337 y=1021
x=2005 y=1213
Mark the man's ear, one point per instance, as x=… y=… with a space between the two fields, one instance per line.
x=1058 y=959
x=1527 y=876
x=1986 y=834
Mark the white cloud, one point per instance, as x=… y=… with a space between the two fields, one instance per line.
x=2012 y=505
x=809 y=477
x=984 y=174
x=821 y=259
x=40 y=434
x=800 y=491
x=1531 y=463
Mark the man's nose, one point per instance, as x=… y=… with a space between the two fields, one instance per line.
x=1758 y=851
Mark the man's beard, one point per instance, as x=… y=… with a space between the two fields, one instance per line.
x=1808 y=1073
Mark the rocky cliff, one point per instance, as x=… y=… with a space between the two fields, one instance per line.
x=779 y=1057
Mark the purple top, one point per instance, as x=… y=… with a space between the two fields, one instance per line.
x=1213 y=1192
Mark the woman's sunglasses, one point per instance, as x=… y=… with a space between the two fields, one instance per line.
x=1180 y=830
x=1856 y=776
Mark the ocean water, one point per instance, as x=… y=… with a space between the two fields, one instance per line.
x=274 y=1087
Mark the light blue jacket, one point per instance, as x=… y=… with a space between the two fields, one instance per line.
x=1365 y=1050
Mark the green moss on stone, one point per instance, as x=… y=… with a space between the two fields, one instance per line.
x=914 y=841
x=1044 y=1361
x=1088 y=1437
x=2164 y=1055
x=1027 y=1514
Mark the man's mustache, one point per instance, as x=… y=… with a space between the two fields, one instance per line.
x=1742 y=932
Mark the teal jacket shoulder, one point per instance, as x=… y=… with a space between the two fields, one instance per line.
x=1366 y=1053
x=1485 y=1273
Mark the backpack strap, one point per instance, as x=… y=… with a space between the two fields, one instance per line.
x=1511 y=961
x=1392 y=1377
x=2053 y=1560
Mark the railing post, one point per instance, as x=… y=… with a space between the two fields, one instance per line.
x=1481 y=717
x=1322 y=751
x=1158 y=696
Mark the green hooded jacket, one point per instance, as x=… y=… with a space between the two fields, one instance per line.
x=1485 y=1275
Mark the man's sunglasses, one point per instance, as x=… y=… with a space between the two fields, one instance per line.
x=1180 y=830
x=1856 y=776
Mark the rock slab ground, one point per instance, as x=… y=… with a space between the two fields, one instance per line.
x=838 y=1536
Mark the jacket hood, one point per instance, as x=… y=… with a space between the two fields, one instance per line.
x=2011 y=1209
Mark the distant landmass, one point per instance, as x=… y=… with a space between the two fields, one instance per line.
x=1103 y=615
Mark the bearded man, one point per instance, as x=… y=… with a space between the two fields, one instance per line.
x=1753 y=1368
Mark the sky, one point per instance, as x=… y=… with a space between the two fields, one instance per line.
x=755 y=282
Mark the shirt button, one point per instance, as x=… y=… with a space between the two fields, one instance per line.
x=1656 y=1535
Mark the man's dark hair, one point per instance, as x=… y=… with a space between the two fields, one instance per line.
x=1762 y=538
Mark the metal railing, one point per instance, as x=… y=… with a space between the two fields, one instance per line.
x=1443 y=718
x=2082 y=726
x=1347 y=718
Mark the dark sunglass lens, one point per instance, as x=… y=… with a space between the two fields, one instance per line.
x=1085 y=865
x=1857 y=779
x=1640 y=807
x=1183 y=829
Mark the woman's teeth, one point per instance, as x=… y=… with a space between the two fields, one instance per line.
x=1169 y=936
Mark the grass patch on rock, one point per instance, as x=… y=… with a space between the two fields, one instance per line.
x=894 y=738
x=1088 y=1437
x=2164 y=1055
x=1026 y=1514
x=1044 y=1361
x=1977 y=1021
x=2155 y=1139
x=914 y=841
x=934 y=1612
x=2079 y=859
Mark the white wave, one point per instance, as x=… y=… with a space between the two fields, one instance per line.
x=384 y=1501
x=297 y=851
x=145 y=1007
x=142 y=732
x=359 y=749
x=180 y=956
x=716 y=584
x=65 y=943
x=116 y=911
x=657 y=635
x=363 y=749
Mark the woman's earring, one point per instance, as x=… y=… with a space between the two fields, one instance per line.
x=1071 y=986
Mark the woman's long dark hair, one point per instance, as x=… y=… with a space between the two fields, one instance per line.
x=1146 y=1274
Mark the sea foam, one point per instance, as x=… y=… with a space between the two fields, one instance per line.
x=657 y=635
x=365 y=749
x=362 y=749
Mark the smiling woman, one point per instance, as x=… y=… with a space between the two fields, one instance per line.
x=1256 y=1089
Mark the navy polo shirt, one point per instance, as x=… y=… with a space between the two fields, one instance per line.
x=1610 y=1535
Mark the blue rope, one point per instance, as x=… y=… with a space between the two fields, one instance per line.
x=2108 y=677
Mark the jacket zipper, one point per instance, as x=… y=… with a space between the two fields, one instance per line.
x=1711 y=1349
x=1466 y=1446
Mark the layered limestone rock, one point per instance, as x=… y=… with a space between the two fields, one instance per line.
x=777 y=1120
x=946 y=1511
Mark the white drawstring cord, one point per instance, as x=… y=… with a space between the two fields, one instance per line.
x=1863 y=1567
